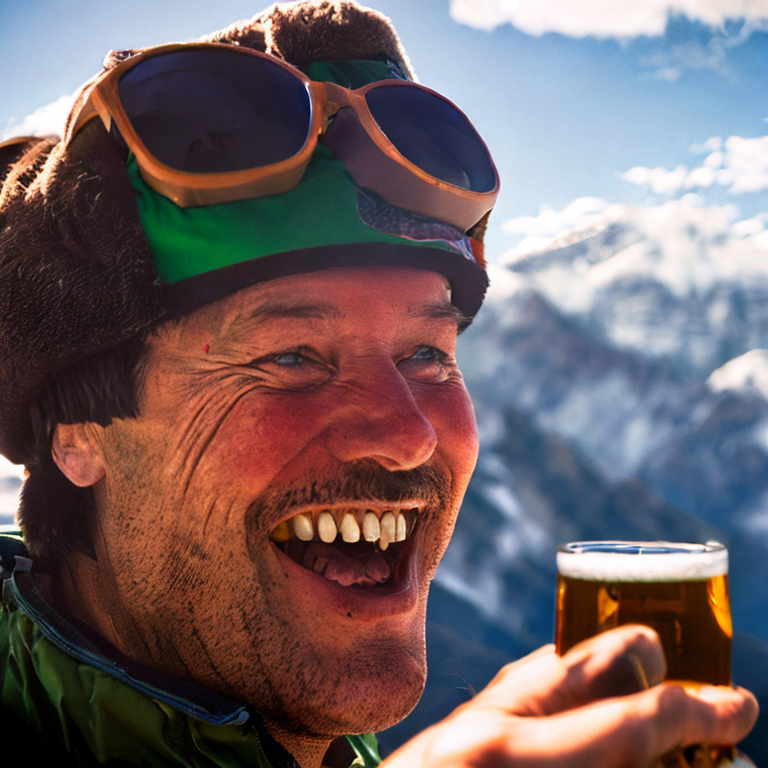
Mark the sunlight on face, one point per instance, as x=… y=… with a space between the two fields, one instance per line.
x=273 y=519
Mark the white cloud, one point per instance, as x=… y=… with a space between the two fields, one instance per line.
x=740 y=164
x=659 y=180
x=603 y=18
x=746 y=163
x=549 y=223
x=713 y=160
x=700 y=177
x=540 y=231
x=44 y=121
x=712 y=144
x=669 y=62
x=749 y=227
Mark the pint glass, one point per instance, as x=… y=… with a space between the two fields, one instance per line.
x=679 y=590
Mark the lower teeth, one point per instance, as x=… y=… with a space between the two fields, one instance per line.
x=359 y=564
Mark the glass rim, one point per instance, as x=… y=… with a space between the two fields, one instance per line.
x=647 y=561
x=620 y=547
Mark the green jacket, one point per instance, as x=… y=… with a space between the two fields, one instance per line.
x=70 y=698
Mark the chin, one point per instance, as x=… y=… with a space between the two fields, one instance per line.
x=373 y=704
x=390 y=699
x=376 y=691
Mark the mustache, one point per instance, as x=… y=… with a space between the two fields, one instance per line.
x=358 y=485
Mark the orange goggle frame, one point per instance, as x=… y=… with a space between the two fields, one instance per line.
x=402 y=140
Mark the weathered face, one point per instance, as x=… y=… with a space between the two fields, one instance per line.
x=273 y=519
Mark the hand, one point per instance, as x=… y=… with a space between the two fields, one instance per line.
x=601 y=705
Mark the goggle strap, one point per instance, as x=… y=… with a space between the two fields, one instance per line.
x=478 y=250
x=478 y=230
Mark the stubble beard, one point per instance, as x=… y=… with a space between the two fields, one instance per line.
x=377 y=680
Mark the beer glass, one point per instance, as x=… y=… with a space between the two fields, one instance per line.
x=679 y=590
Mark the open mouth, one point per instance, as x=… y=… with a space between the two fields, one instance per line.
x=353 y=547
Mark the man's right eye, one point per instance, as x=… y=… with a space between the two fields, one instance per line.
x=295 y=369
x=290 y=359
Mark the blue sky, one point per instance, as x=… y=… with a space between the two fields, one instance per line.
x=583 y=103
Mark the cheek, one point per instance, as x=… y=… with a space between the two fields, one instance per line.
x=449 y=410
x=261 y=435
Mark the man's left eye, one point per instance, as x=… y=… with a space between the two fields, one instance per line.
x=425 y=361
x=428 y=353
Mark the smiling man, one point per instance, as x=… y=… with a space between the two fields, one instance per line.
x=314 y=452
x=230 y=298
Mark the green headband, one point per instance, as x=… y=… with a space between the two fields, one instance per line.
x=202 y=254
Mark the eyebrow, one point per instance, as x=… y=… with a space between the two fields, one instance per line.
x=442 y=311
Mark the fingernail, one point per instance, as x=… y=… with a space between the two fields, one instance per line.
x=650 y=667
x=625 y=675
x=639 y=670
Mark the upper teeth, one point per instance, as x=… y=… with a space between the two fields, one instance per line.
x=326 y=527
x=350 y=530
x=385 y=527
x=371 y=527
x=302 y=527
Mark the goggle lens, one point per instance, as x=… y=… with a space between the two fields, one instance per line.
x=213 y=111
x=212 y=123
x=433 y=135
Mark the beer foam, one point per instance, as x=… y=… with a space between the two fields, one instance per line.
x=618 y=561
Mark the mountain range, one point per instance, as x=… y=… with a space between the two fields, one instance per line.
x=620 y=381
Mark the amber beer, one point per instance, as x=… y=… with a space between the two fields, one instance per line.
x=680 y=590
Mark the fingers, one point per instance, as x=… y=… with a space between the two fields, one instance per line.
x=631 y=731
x=616 y=663
x=600 y=706
x=625 y=732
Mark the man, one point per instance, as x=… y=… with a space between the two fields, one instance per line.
x=246 y=433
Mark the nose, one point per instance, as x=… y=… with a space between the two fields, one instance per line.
x=380 y=420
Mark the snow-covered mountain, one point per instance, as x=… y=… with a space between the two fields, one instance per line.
x=638 y=341
x=674 y=282
x=620 y=380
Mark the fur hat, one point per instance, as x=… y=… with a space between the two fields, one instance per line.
x=76 y=273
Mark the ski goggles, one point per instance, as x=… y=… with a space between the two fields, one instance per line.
x=212 y=123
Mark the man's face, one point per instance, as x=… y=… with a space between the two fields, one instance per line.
x=333 y=398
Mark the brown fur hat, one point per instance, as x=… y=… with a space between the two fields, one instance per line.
x=76 y=273
x=328 y=30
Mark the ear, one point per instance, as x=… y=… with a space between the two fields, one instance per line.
x=77 y=454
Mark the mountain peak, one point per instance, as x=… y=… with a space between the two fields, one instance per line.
x=746 y=373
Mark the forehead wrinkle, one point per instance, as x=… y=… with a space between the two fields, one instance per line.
x=284 y=308
x=281 y=309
